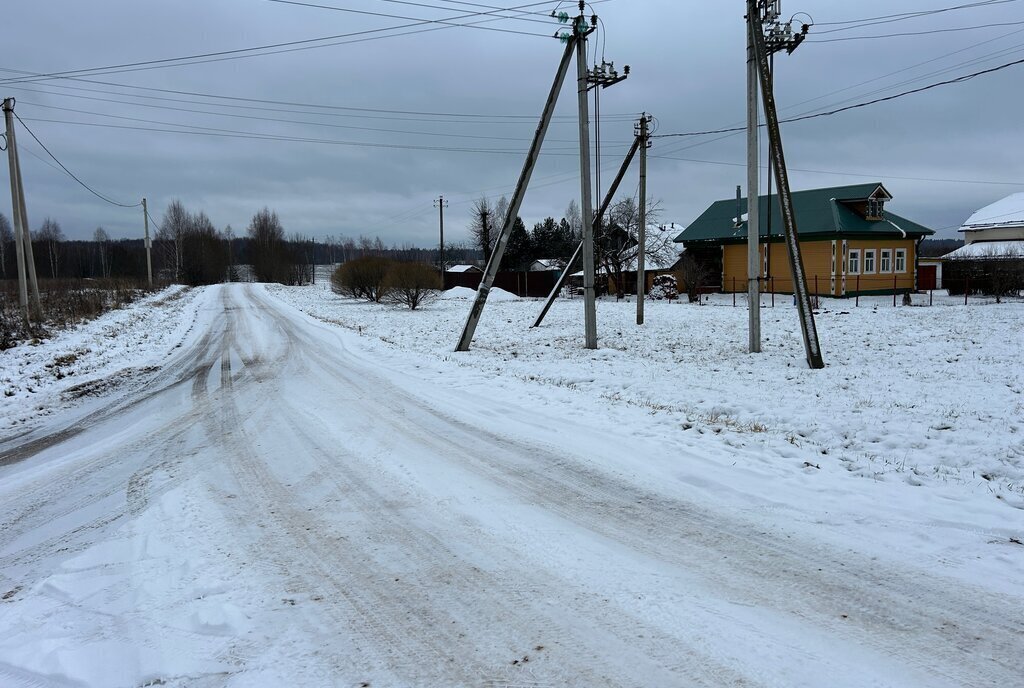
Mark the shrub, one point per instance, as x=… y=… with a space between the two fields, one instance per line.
x=664 y=287
x=412 y=284
x=362 y=278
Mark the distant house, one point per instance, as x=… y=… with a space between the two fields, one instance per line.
x=849 y=242
x=999 y=221
x=464 y=269
x=654 y=266
x=992 y=259
x=547 y=264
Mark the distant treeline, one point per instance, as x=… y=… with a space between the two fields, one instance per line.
x=187 y=248
x=935 y=248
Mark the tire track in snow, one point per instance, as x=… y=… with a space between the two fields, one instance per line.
x=668 y=651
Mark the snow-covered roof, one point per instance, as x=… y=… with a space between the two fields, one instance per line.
x=549 y=263
x=1009 y=212
x=987 y=249
x=463 y=268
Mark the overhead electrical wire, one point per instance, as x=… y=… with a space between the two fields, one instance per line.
x=284 y=121
x=855 y=106
x=844 y=174
x=324 y=110
x=230 y=133
x=912 y=33
x=902 y=16
x=273 y=48
x=71 y=174
x=314 y=5
x=419 y=20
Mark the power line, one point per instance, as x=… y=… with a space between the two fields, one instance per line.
x=986 y=182
x=999 y=53
x=494 y=13
x=231 y=133
x=273 y=48
x=836 y=111
x=325 y=110
x=890 y=18
x=914 y=33
x=416 y=19
x=71 y=174
x=276 y=119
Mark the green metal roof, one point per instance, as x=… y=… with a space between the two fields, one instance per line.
x=819 y=213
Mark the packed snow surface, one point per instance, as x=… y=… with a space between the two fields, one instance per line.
x=285 y=487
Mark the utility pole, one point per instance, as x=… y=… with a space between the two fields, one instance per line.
x=18 y=196
x=19 y=247
x=149 y=245
x=641 y=256
x=603 y=76
x=517 y=198
x=441 y=204
x=781 y=37
x=753 y=179
x=586 y=207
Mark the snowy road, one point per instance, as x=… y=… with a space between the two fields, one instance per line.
x=274 y=507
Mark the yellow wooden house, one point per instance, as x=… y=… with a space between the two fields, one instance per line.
x=849 y=242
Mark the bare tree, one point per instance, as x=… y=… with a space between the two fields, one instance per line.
x=6 y=237
x=481 y=227
x=50 y=235
x=273 y=258
x=618 y=244
x=171 y=234
x=574 y=219
x=692 y=274
x=102 y=240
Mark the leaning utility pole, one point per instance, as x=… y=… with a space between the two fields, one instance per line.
x=149 y=244
x=641 y=256
x=441 y=204
x=753 y=180
x=517 y=198
x=782 y=38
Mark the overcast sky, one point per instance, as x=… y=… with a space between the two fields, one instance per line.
x=688 y=69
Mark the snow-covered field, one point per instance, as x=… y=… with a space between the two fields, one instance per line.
x=234 y=491
x=915 y=395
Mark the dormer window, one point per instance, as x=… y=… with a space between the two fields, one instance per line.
x=875 y=209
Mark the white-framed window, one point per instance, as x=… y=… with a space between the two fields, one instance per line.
x=901 y=260
x=869 y=261
x=853 y=265
x=885 y=260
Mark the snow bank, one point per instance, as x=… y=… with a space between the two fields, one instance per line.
x=465 y=293
x=113 y=350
